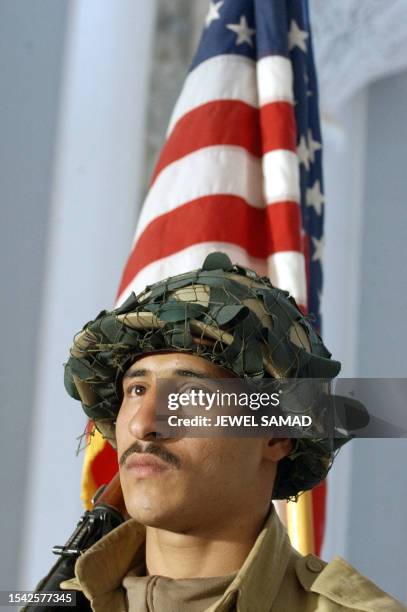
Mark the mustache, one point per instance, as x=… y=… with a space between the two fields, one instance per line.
x=153 y=449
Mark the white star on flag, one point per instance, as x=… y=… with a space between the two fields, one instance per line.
x=244 y=33
x=297 y=37
x=303 y=153
x=213 y=12
x=313 y=145
x=315 y=197
x=318 y=247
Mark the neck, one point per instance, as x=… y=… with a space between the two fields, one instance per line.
x=205 y=552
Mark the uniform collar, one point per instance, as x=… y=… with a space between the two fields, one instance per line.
x=101 y=569
x=103 y=566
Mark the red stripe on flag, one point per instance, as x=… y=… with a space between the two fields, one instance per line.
x=227 y=122
x=233 y=123
x=319 y=514
x=278 y=127
x=259 y=231
x=104 y=465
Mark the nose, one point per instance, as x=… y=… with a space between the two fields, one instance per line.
x=142 y=424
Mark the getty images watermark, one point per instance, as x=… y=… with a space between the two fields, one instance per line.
x=236 y=407
x=204 y=400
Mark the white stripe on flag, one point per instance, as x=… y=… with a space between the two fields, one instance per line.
x=213 y=170
x=286 y=270
x=281 y=176
x=224 y=77
x=222 y=170
x=275 y=80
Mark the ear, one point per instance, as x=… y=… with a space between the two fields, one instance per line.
x=277 y=448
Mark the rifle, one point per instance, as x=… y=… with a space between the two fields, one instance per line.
x=108 y=512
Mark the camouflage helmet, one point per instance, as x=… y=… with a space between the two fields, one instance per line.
x=224 y=313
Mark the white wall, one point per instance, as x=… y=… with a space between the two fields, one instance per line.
x=365 y=307
x=377 y=537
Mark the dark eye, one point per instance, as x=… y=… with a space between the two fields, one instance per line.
x=136 y=390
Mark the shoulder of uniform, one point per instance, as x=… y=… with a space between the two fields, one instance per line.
x=308 y=569
x=342 y=584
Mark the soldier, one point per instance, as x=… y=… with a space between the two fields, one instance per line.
x=203 y=534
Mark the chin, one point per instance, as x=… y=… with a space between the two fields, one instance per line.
x=150 y=511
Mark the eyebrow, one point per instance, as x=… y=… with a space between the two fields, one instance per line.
x=178 y=372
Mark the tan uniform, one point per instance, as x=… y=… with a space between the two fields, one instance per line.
x=273 y=578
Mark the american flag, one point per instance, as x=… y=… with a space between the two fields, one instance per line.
x=240 y=170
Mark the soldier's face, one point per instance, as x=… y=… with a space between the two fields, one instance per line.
x=183 y=484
